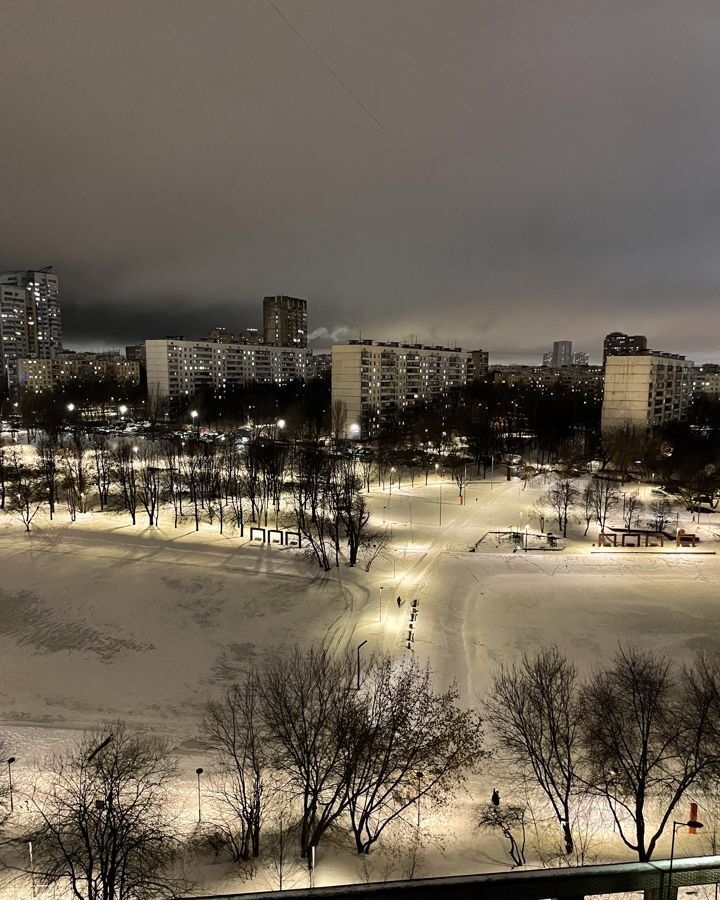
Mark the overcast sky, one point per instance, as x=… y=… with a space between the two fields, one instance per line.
x=495 y=174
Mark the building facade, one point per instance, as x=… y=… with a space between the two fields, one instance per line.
x=64 y=368
x=562 y=354
x=30 y=320
x=706 y=380
x=178 y=368
x=479 y=364
x=285 y=321
x=586 y=378
x=618 y=344
x=374 y=382
x=645 y=390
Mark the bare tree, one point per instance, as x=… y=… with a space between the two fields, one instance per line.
x=407 y=744
x=587 y=499
x=510 y=822
x=48 y=452
x=560 y=498
x=533 y=708
x=649 y=735
x=661 y=508
x=103 y=467
x=125 y=465
x=605 y=498
x=25 y=495
x=103 y=830
x=234 y=729
x=149 y=484
x=307 y=707
x=632 y=507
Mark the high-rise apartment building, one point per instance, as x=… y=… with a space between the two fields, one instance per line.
x=30 y=321
x=479 y=364
x=561 y=354
x=178 y=368
x=374 y=382
x=285 y=321
x=580 y=358
x=645 y=390
x=618 y=344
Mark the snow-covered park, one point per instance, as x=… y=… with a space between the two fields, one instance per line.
x=100 y=620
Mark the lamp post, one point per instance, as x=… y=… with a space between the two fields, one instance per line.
x=199 y=772
x=691 y=823
x=360 y=646
x=11 y=760
x=392 y=472
x=437 y=470
x=194 y=416
x=381 y=590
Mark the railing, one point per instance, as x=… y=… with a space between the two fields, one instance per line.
x=564 y=884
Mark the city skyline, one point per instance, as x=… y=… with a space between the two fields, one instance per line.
x=483 y=171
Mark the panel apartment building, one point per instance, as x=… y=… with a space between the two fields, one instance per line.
x=45 y=374
x=178 y=368
x=376 y=380
x=30 y=321
x=645 y=390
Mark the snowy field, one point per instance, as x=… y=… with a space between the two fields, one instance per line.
x=100 y=619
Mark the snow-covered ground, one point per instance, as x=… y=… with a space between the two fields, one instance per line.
x=100 y=619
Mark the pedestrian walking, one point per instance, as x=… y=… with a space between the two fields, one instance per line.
x=495 y=797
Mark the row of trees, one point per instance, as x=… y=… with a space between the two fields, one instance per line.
x=635 y=737
x=262 y=481
x=596 y=502
x=298 y=748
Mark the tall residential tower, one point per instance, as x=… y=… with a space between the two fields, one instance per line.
x=30 y=321
x=285 y=322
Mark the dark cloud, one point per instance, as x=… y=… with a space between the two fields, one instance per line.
x=520 y=171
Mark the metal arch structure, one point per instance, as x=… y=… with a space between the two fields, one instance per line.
x=542 y=884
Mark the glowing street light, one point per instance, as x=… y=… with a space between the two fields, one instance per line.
x=71 y=407
x=392 y=472
x=281 y=423
x=122 y=409
x=381 y=590
x=691 y=823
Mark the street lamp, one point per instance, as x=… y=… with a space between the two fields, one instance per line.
x=691 y=823
x=11 y=760
x=381 y=590
x=437 y=470
x=122 y=409
x=281 y=423
x=199 y=772
x=392 y=472
x=71 y=407
x=360 y=646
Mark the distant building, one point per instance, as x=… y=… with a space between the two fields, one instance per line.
x=547 y=358
x=706 y=380
x=584 y=378
x=580 y=359
x=179 y=368
x=64 y=368
x=320 y=365
x=561 y=354
x=478 y=365
x=221 y=335
x=250 y=336
x=645 y=390
x=374 y=382
x=30 y=319
x=285 y=321
x=618 y=344
x=136 y=353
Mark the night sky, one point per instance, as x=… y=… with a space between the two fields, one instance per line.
x=496 y=174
